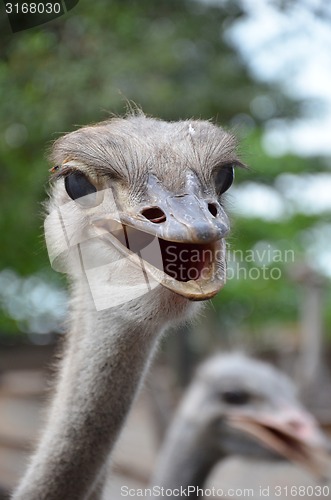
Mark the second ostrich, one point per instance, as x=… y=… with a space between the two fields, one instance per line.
x=236 y=406
x=136 y=221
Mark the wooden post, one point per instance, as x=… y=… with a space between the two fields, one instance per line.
x=310 y=363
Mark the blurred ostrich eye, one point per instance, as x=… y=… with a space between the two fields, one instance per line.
x=224 y=178
x=78 y=187
x=238 y=397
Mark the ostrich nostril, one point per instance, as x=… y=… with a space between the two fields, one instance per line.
x=212 y=209
x=154 y=214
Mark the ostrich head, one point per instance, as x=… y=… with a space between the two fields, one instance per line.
x=238 y=405
x=145 y=194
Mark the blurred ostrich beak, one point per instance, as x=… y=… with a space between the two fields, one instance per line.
x=291 y=433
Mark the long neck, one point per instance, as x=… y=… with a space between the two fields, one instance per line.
x=188 y=454
x=106 y=358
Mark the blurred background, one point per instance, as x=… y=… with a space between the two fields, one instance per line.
x=261 y=69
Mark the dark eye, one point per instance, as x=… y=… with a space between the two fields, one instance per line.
x=78 y=187
x=236 y=397
x=224 y=178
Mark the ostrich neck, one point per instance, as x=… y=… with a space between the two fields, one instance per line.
x=186 y=458
x=106 y=356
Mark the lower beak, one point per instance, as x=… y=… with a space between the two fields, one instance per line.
x=293 y=434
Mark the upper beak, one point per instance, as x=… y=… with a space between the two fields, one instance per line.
x=292 y=433
x=179 y=239
x=186 y=217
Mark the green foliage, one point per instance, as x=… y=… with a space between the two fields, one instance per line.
x=265 y=169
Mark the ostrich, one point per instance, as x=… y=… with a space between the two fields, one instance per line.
x=135 y=218
x=236 y=405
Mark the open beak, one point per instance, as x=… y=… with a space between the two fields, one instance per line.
x=177 y=239
x=291 y=433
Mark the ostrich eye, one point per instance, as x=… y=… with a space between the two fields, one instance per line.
x=236 y=397
x=224 y=178
x=78 y=187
